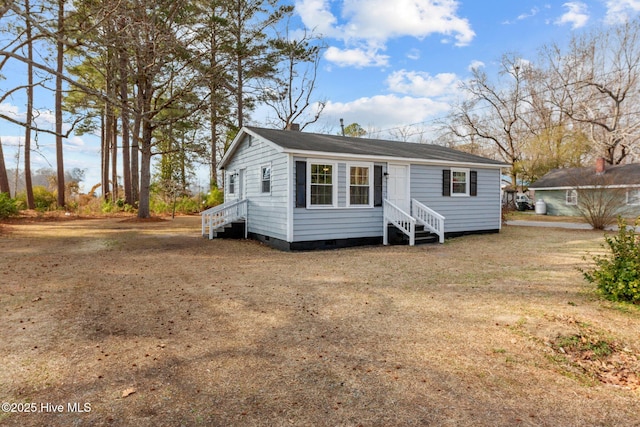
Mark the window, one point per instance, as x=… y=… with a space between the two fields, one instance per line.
x=633 y=196
x=321 y=188
x=571 y=197
x=265 y=179
x=232 y=183
x=459 y=182
x=359 y=185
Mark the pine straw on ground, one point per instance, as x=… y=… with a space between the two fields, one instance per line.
x=152 y=325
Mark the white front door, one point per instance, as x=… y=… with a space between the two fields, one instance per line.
x=398 y=186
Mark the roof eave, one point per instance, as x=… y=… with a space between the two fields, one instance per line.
x=373 y=157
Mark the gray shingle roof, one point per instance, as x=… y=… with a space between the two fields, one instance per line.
x=574 y=177
x=313 y=142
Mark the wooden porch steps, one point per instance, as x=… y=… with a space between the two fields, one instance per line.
x=422 y=236
x=233 y=230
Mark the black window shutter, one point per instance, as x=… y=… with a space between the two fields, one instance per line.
x=377 y=186
x=446 y=182
x=473 y=183
x=301 y=184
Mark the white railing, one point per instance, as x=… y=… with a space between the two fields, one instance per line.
x=221 y=215
x=402 y=220
x=429 y=218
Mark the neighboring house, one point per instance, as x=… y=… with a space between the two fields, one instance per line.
x=565 y=191
x=296 y=190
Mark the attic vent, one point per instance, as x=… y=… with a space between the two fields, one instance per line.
x=294 y=127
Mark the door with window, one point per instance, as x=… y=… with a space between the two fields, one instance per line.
x=398 y=186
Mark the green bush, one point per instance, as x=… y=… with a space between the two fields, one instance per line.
x=215 y=197
x=43 y=199
x=8 y=206
x=617 y=274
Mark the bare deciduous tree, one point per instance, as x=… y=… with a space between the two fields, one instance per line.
x=494 y=113
x=598 y=87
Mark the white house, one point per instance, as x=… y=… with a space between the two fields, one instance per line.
x=295 y=190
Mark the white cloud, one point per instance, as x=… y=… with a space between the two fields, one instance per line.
x=417 y=83
x=475 y=65
x=372 y=23
x=577 y=15
x=413 y=54
x=620 y=11
x=533 y=12
x=384 y=111
x=358 y=58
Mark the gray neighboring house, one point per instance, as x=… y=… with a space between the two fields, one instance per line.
x=563 y=189
x=296 y=190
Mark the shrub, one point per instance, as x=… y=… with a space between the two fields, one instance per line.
x=43 y=199
x=215 y=197
x=8 y=206
x=617 y=274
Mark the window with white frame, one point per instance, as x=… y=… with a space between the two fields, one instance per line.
x=232 y=182
x=571 y=197
x=265 y=179
x=359 y=184
x=459 y=182
x=633 y=196
x=321 y=184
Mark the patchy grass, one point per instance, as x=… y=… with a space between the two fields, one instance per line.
x=152 y=325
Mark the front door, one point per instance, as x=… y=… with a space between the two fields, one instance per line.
x=398 y=186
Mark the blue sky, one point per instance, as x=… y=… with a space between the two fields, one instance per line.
x=388 y=64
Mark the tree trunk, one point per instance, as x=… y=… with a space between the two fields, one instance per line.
x=106 y=132
x=145 y=172
x=29 y=119
x=126 y=158
x=58 y=101
x=4 y=179
x=135 y=151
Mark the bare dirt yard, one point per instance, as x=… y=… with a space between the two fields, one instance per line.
x=125 y=323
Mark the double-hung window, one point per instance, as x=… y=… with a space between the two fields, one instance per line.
x=459 y=182
x=265 y=179
x=322 y=184
x=571 y=197
x=360 y=186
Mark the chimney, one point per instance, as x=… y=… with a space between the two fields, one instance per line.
x=293 y=126
x=600 y=165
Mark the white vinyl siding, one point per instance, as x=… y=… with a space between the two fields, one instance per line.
x=463 y=214
x=267 y=211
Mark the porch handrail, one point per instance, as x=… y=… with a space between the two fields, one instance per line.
x=429 y=218
x=401 y=219
x=221 y=215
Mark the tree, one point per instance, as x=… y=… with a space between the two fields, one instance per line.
x=354 y=130
x=495 y=112
x=29 y=118
x=4 y=179
x=289 y=93
x=58 y=102
x=250 y=56
x=599 y=75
